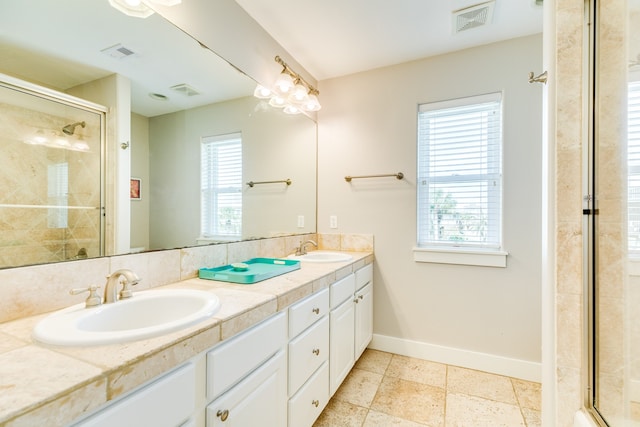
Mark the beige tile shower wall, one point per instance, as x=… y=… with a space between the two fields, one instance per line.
x=569 y=136
x=27 y=291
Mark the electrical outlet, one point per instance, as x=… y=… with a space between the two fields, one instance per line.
x=333 y=221
x=300 y=221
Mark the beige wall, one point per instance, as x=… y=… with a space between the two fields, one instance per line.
x=140 y=169
x=368 y=126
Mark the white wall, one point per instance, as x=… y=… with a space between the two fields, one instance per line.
x=368 y=126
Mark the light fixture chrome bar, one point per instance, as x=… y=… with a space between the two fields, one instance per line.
x=398 y=175
x=295 y=76
x=252 y=183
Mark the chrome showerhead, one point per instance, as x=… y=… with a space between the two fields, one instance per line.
x=71 y=128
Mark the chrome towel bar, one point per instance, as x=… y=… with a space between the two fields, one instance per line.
x=286 y=181
x=398 y=175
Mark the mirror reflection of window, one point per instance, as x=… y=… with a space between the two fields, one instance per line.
x=221 y=187
x=58 y=193
x=633 y=159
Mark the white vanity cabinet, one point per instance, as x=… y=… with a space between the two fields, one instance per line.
x=167 y=401
x=247 y=377
x=351 y=323
x=308 y=359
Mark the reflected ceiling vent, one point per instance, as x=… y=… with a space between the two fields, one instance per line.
x=473 y=16
x=185 y=89
x=118 y=51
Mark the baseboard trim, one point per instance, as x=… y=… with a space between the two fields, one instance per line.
x=516 y=368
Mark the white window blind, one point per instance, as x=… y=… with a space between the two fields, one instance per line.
x=460 y=173
x=221 y=187
x=633 y=165
x=58 y=195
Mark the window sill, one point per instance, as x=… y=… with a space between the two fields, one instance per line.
x=634 y=266
x=459 y=256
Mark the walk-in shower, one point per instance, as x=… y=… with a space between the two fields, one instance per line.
x=50 y=174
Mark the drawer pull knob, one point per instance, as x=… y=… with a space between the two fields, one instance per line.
x=316 y=351
x=356 y=300
x=315 y=403
x=316 y=310
x=361 y=296
x=223 y=415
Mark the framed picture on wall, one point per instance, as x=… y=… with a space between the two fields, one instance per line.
x=135 y=190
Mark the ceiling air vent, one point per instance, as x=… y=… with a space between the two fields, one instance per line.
x=118 y=51
x=185 y=89
x=472 y=16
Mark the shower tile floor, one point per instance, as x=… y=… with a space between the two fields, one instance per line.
x=385 y=389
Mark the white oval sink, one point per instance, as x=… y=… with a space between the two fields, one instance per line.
x=147 y=314
x=323 y=256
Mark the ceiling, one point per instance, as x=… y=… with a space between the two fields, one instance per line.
x=62 y=46
x=331 y=38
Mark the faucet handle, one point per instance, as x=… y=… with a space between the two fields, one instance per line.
x=93 y=299
x=126 y=291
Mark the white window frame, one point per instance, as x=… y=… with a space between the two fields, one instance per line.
x=210 y=189
x=488 y=253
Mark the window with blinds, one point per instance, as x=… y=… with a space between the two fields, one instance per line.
x=221 y=187
x=633 y=165
x=460 y=173
x=58 y=195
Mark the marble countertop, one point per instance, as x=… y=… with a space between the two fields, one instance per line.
x=52 y=385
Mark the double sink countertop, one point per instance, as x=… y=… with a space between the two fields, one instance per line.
x=52 y=385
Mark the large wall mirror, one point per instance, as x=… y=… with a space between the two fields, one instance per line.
x=193 y=117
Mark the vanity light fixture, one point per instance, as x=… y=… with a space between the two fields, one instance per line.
x=55 y=139
x=290 y=92
x=140 y=8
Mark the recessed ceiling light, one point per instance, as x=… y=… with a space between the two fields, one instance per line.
x=158 y=96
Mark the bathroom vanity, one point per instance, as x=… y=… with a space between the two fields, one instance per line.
x=272 y=356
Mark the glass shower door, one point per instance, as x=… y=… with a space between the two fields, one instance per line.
x=615 y=222
x=51 y=178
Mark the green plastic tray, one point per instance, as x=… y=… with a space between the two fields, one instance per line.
x=259 y=269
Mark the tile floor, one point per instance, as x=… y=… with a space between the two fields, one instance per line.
x=385 y=389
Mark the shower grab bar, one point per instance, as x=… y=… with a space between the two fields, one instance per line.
x=252 y=183
x=398 y=175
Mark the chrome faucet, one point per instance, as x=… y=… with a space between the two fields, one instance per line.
x=302 y=250
x=127 y=277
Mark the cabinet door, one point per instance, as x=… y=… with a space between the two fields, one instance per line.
x=341 y=345
x=168 y=401
x=258 y=400
x=364 y=319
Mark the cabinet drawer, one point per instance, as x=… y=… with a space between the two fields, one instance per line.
x=342 y=290
x=364 y=276
x=307 y=352
x=308 y=403
x=168 y=401
x=230 y=362
x=307 y=311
